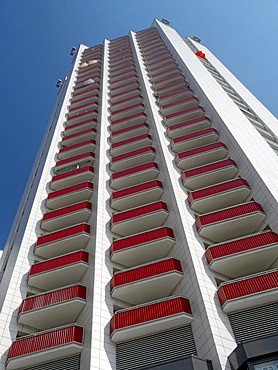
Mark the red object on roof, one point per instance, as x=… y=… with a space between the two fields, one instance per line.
x=200 y=54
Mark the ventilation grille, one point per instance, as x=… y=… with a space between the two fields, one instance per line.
x=155 y=349
x=69 y=363
x=255 y=323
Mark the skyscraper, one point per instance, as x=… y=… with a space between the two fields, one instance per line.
x=147 y=234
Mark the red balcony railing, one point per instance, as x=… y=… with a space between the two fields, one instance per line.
x=52 y=298
x=231 y=222
x=60 y=271
x=178 y=117
x=223 y=195
x=63 y=211
x=133 y=158
x=87 y=158
x=69 y=191
x=76 y=149
x=128 y=121
x=150 y=318
x=90 y=131
x=61 y=234
x=136 y=189
x=209 y=174
x=147 y=282
x=202 y=155
x=250 y=291
x=128 y=131
x=58 y=262
x=134 y=153
x=187 y=127
x=198 y=138
x=45 y=346
x=244 y=256
x=77 y=127
x=72 y=177
x=134 y=175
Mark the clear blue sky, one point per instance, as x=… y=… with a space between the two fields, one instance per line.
x=37 y=35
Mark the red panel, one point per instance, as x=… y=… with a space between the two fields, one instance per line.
x=136 y=189
x=82 y=114
x=122 y=93
x=43 y=341
x=184 y=111
x=76 y=158
x=66 y=210
x=84 y=143
x=128 y=118
x=61 y=234
x=131 y=140
x=247 y=286
x=65 y=138
x=185 y=90
x=55 y=263
x=135 y=127
x=92 y=96
x=144 y=272
x=73 y=173
x=208 y=168
x=139 y=211
x=140 y=151
x=150 y=312
x=193 y=135
x=130 y=171
x=241 y=245
x=129 y=70
x=228 y=213
x=216 y=189
x=126 y=109
x=51 y=298
x=80 y=124
x=143 y=238
x=89 y=87
x=88 y=105
x=71 y=189
x=201 y=149
x=187 y=123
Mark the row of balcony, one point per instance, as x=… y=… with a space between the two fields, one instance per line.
x=226 y=214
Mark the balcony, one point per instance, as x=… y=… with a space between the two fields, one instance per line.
x=161 y=68
x=79 y=137
x=125 y=94
x=122 y=68
x=222 y=195
x=82 y=108
x=158 y=59
x=88 y=99
x=210 y=174
x=179 y=105
x=121 y=62
x=201 y=156
x=45 y=346
x=119 y=84
x=232 y=222
x=175 y=78
x=63 y=241
x=115 y=78
x=146 y=282
x=51 y=309
x=188 y=127
x=157 y=75
x=134 y=175
x=77 y=149
x=194 y=140
x=72 y=178
x=159 y=47
x=151 y=318
x=72 y=194
x=142 y=248
x=244 y=256
x=130 y=110
x=77 y=118
x=139 y=219
x=131 y=83
x=250 y=291
x=85 y=93
x=124 y=103
x=67 y=216
x=85 y=159
x=136 y=196
x=58 y=272
x=133 y=143
x=128 y=121
x=175 y=96
x=132 y=159
x=171 y=88
x=127 y=133
x=82 y=126
x=183 y=115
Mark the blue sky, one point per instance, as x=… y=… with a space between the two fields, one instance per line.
x=37 y=35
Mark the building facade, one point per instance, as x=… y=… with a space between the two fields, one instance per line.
x=147 y=234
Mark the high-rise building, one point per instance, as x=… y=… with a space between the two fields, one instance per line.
x=147 y=234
